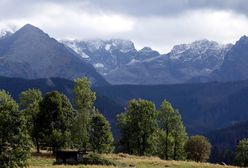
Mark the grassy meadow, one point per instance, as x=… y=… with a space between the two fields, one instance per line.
x=46 y=160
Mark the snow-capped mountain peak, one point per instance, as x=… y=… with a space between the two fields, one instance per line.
x=196 y=49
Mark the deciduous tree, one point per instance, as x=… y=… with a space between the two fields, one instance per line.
x=101 y=138
x=84 y=101
x=138 y=125
x=29 y=104
x=174 y=135
x=14 y=138
x=54 y=121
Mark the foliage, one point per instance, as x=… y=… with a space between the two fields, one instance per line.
x=138 y=125
x=242 y=153
x=54 y=121
x=101 y=138
x=29 y=103
x=84 y=100
x=174 y=135
x=84 y=96
x=14 y=139
x=198 y=148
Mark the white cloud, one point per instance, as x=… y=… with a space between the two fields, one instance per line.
x=161 y=32
x=164 y=32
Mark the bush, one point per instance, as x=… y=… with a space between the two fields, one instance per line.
x=198 y=148
x=97 y=159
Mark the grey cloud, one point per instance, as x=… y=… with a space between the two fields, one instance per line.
x=136 y=8
x=166 y=7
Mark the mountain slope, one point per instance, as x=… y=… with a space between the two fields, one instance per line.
x=235 y=65
x=30 y=53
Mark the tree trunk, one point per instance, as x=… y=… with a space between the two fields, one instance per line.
x=175 y=150
x=37 y=145
x=166 y=144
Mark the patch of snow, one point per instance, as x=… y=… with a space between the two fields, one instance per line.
x=107 y=47
x=133 y=61
x=73 y=45
x=84 y=55
x=94 y=45
x=123 y=45
x=98 y=65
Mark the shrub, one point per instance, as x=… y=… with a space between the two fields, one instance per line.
x=198 y=148
x=97 y=159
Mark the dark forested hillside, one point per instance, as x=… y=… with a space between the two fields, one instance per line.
x=225 y=140
x=204 y=107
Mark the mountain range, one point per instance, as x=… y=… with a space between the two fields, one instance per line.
x=30 y=53
x=121 y=63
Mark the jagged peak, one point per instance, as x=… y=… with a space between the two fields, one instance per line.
x=243 y=40
x=197 y=45
x=146 y=49
x=243 y=37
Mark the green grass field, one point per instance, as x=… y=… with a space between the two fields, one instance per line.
x=122 y=160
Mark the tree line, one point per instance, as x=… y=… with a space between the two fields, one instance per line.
x=147 y=131
x=52 y=122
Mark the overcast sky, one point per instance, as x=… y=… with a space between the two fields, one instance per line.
x=159 y=24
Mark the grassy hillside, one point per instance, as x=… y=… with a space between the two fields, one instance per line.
x=123 y=160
